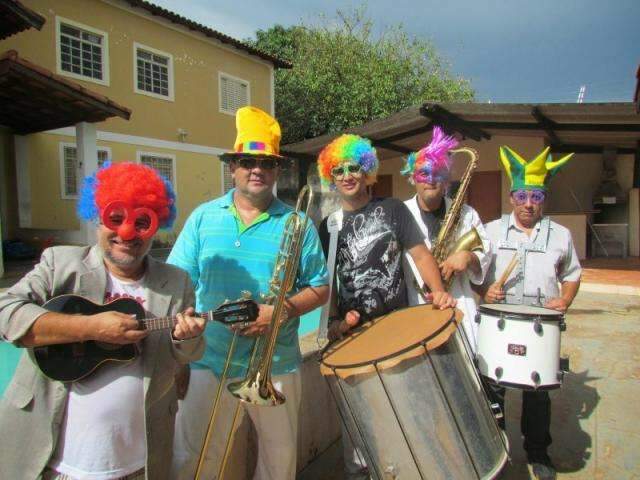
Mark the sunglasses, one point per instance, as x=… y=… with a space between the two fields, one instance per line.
x=352 y=169
x=536 y=197
x=263 y=163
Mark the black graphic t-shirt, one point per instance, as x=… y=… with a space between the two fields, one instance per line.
x=369 y=256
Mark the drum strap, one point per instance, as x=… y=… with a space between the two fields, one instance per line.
x=539 y=245
x=334 y=225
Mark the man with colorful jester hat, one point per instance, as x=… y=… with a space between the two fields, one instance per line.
x=546 y=257
x=429 y=170
x=365 y=241
x=229 y=245
x=116 y=423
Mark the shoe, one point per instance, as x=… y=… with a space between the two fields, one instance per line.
x=541 y=467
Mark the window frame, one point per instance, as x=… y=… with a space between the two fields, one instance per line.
x=170 y=97
x=224 y=165
x=172 y=156
x=238 y=79
x=61 y=168
x=105 y=51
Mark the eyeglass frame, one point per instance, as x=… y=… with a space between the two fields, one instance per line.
x=352 y=169
x=529 y=196
x=264 y=163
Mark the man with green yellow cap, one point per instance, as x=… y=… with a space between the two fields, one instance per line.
x=229 y=245
x=546 y=257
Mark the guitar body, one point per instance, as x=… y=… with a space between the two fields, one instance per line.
x=69 y=362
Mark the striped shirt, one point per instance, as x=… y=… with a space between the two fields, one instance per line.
x=225 y=257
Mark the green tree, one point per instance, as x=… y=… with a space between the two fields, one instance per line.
x=343 y=75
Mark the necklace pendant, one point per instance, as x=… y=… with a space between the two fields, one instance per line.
x=237 y=244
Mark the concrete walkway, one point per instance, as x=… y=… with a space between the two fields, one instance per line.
x=596 y=414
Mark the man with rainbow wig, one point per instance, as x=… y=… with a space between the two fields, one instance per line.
x=429 y=171
x=116 y=423
x=546 y=258
x=364 y=242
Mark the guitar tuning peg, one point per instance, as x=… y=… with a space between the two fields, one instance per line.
x=245 y=295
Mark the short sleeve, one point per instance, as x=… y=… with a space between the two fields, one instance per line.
x=312 y=269
x=570 y=269
x=186 y=250
x=409 y=233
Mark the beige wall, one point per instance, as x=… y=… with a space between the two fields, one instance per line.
x=197 y=62
x=198 y=179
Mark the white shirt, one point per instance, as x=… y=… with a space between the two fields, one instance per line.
x=542 y=270
x=460 y=287
x=102 y=436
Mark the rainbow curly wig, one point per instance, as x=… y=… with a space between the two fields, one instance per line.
x=348 y=148
x=431 y=163
x=132 y=183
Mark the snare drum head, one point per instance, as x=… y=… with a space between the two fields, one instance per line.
x=524 y=310
x=391 y=335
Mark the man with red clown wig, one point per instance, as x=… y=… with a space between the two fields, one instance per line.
x=429 y=171
x=364 y=242
x=116 y=423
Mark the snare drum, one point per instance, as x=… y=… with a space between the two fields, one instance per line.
x=519 y=345
x=409 y=396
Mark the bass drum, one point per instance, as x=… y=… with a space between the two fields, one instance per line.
x=411 y=399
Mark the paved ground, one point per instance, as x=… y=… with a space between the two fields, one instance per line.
x=596 y=415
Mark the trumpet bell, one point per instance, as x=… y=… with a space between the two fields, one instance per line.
x=251 y=391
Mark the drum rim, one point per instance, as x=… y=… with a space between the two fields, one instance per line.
x=522 y=386
x=549 y=317
x=451 y=320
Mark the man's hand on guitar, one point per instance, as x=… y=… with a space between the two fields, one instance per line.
x=114 y=327
x=188 y=326
x=261 y=324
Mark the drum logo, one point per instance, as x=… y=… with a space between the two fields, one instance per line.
x=515 y=349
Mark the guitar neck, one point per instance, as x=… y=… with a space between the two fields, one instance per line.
x=164 y=323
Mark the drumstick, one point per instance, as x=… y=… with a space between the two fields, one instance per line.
x=508 y=270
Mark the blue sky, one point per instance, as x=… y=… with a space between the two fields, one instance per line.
x=510 y=50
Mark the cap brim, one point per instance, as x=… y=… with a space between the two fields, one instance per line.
x=227 y=157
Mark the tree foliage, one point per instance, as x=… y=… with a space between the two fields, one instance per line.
x=343 y=75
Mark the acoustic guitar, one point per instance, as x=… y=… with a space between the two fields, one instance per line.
x=69 y=362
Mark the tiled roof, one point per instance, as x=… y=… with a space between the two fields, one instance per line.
x=15 y=17
x=209 y=32
x=34 y=99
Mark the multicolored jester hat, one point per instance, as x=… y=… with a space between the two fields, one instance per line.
x=533 y=175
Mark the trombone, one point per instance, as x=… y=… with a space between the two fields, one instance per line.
x=257 y=387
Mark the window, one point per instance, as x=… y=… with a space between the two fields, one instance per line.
x=71 y=173
x=82 y=51
x=153 y=72
x=227 y=178
x=234 y=93
x=164 y=164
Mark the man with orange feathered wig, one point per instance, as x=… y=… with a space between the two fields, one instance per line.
x=136 y=399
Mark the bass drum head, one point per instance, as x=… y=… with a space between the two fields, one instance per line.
x=390 y=335
x=524 y=311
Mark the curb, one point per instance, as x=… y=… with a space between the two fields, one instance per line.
x=610 y=289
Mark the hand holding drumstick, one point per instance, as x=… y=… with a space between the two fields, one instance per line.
x=495 y=293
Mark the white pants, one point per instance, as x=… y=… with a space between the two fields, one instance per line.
x=277 y=429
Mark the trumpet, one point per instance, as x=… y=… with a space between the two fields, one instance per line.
x=257 y=387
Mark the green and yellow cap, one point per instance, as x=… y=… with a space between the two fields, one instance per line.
x=533 y=175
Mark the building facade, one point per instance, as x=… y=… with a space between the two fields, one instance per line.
x=182 y=81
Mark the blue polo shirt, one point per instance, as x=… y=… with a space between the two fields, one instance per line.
x=224 y=257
